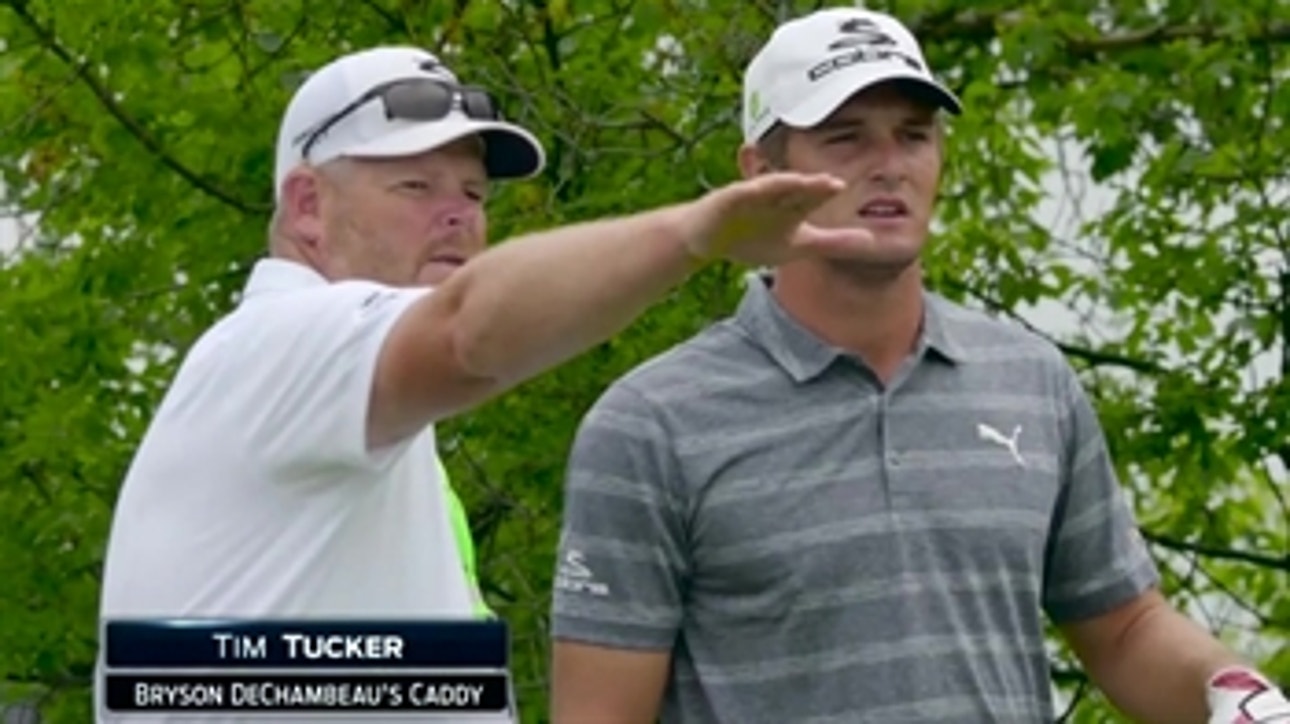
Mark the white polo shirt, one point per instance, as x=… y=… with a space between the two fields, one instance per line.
x=252 y=494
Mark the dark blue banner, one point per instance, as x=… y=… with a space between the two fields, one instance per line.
x=306 y=693
x=305 y=644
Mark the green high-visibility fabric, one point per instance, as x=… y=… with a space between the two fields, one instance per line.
x=465 y=542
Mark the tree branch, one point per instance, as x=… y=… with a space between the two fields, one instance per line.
x=104 y=97
x=565 y=190
x=1093 y=357
x=978 y=27
x=1107 y=359
x=1061 y=675
x=36 y=108
x=242 y=268
x=1261 y=560
x=1283 y=450
x=1274 y=33
x=1264 y=620
x=392 y=21
x=272 y=56
x=1081 y=690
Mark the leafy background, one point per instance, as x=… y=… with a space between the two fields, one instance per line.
x=1118 y=185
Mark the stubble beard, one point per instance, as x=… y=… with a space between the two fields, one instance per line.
x=872 y=272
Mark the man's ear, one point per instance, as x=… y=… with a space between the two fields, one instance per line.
x=752 y=162
x=302 y=207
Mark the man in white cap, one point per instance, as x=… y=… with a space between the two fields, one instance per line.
x=291 y=470
x=854 y=501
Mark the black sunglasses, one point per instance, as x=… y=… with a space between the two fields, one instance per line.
x=412 y=99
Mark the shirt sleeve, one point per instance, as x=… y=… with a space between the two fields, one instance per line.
x=320 y=347
x=621 y=566
x=1097 y=559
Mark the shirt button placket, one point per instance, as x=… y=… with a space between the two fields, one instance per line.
x=890 y=458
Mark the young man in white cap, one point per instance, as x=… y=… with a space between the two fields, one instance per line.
x=291 y=470
x=854 y=501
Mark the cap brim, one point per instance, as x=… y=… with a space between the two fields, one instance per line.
x=510 y=152
x=815 y=108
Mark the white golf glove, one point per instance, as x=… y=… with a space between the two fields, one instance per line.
x=1239 y=695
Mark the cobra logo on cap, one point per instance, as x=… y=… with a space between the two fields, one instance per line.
x=432 y=65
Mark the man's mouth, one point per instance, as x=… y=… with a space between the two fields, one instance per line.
x=450 y=259
x=884 y=209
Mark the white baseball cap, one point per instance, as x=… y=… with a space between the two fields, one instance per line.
x=811 y=65
x=370 y=131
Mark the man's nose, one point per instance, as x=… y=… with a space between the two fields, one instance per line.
x=463 y=214
x=888 y=163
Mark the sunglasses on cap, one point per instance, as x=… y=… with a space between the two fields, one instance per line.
x=412 y=99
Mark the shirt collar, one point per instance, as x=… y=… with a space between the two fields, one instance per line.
x=937 y=333
x=803 y=354
x=280 y=275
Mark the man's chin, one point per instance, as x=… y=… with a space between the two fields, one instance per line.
x=875 y=269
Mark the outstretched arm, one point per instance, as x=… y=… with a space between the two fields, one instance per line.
x=534 y=302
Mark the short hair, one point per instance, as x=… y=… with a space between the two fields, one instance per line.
x=773 y=146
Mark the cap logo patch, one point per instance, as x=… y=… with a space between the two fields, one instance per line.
x=860 y=32
x=756 y=109
x=863 y=42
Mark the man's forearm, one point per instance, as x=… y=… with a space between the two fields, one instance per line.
x=1158 y=671
x=536 y=301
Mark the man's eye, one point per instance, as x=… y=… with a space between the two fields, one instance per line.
x=413 y=185
x=841 y=138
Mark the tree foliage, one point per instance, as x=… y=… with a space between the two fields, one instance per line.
x=141 y=136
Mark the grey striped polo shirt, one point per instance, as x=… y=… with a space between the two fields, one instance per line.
x=812 y=546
